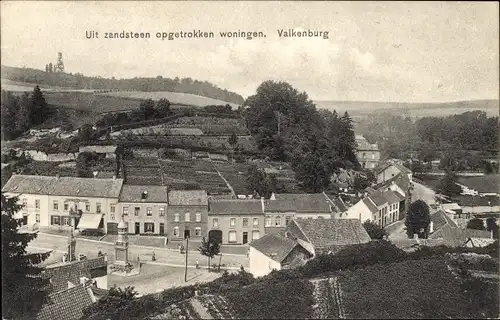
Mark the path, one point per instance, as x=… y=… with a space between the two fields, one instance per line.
x=227 y=183
x=200 y=310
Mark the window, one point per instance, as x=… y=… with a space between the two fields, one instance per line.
x=197 y=231
x=149 y=227
x=37 y=217
x=98 y=208
x=125 y=211
x=148 y=212
x=112 y=208
x=373 y=155
x=287 y=220
x=67 y=221
x=255 y=235
x=278 y=222
x=162 y=211
x=198 y=217
x=255 y=222
x=245 y=222
x=66 y=207
x=136 y=211
x=267 y=222
x=55 y=206
x=232 y=222
x=187 y=216
x=364 y=155
x=215 y=223
x=37 y=204
x=25 y=202
x=55 y=220
x=176 y=231
x=176 y=217
x=232 y=236
x=87 y=207
x=112 y=216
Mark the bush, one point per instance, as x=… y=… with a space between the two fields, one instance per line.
x=353 y=257
x=92 y=233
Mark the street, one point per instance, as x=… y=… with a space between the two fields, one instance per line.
x=422 y=192
x=167 y=257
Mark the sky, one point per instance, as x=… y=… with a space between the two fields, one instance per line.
x=389 y=52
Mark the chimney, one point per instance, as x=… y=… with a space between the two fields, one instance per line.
x=262 y=203
x=144 y=195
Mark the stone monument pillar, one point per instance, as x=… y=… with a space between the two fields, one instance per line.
x=71 y=247
x=121 y=245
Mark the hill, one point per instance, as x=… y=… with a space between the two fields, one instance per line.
x=361 y=109
x=79 y=81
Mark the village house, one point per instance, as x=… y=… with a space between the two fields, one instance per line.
x=144 y=209
x=368 y=154
x=387 y=171
x=235 y=221
x=64 y=202
x=328 y=235
x=280 y=209
x=275 y=252
x=382 y=208
x=105 y=151
x=187 y=214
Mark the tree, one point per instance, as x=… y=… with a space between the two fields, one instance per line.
x=418 y=219
x=347 y=138
x=448 y=185
x=10 y=106
x=476 y=224
x=85 y=133
x=209 y=249
x=163 y=108
x=232 y=140
x=84 y=163
x=113 y=305
x=374 y=230
x=147 y=109
x=360 y=182
x=23 y=288
x=39 y=108
x=260 y=182
x=491 y=225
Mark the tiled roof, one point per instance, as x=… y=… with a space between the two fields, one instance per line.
x=457 y=234
x=304 y=202
x=393 y=197
x=72 y=272
x=67 y=304
x=370 y=205
x=131 y=193
x=440 y=219
x=402 y=168
x=274 y=246
x=64 y=186
x=188 y=198
x=333 y=232
x=235 y=207
x=378 y=198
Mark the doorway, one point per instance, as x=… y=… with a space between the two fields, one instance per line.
x=137 y=228
x=186 y=234
x=245 y=237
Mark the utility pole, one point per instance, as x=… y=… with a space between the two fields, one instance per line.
x=186 y=268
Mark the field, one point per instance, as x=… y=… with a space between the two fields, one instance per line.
x=410 y=289
x=487 y=183
x=173 y=97
x=415 y=110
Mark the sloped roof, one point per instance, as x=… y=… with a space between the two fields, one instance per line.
x=401 y=180
x=440 y=219
x=235 y=207
x=64 y=186
x=333 y=232
x=133 y=193
x=386 y=165
x=393 y=196
x=67 y=304
x=457 y=234
x=304 y=202
x=72 y=272
x=363 y=144
x=274 y=246
x=378 y=198
x=370 y=205
x=188 y=198
x=98 y=149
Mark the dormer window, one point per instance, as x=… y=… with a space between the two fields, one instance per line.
x=144 y=195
